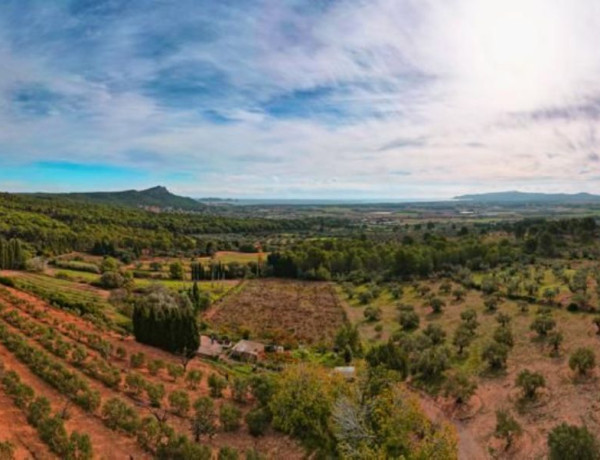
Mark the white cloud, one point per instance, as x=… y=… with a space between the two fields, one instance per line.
x=457 y=95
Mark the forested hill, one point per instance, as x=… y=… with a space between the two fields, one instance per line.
x=55 y=224
x=524 y=197
x=156 y=197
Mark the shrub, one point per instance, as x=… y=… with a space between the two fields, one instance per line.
x=193 y=378
x=469 y=319
x=203 y=421
x=156 y=393
x=216 y=384
x=496 y=355
x=504 y=335
x=372 y=314
x=436 y=304
x=175 y=371
x=503 y=319
x=555 y=339
x=135 y=383
x=253 y=454
x=529 y=382
x=435 y=333
x=179 y=401
x=507 y=427
x=228 y=453
x=570 y=442
x=463 y=336
x=491 y=303
x=239 y=389
x=117 y=414
x=409 y=320
x=230 y=417
x=137 y=360
x=582 y=360
x=111 y=280
x=460 y=387
x=543 y=324
x=155 y=366
x=7 y=450
x=258 y=421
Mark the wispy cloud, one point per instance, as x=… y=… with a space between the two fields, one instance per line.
x=303 y=98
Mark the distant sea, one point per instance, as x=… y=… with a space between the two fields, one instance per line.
x=321 y=202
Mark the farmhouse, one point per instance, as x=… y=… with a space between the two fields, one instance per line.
x=209 y=348
x=246 y=350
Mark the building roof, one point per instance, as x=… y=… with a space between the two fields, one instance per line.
x=209 y=347
x=248 y=346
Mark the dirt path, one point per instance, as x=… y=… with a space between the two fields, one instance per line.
x=107 y=444
x=468 y=447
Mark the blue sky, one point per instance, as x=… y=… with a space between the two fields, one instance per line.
x=293 y=99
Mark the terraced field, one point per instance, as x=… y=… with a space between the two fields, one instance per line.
x=103 y=386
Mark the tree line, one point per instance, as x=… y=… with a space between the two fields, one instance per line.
x=166 y=320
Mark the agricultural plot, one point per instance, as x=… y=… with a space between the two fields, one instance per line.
x=116 y=391
x=566 y=395
x=288 y=312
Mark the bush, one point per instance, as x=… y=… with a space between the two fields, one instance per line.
x=156 y=393
x=216 y=384
x=409 y=320
x=155 y=366
x=203 y=421
x=436 y=334
x=239 y=389
x=137 y=360
x=7 y=451
x=230 y=417
x=543 y=324
x=258 y=421
x=463 y=336
x=228 y=453
x=529 y=382
x=459 y=386
x=118 y=415
x=504 y=335
x=507 y=427
x=582 y=360
x=193 y=378
x=111 y=280
x=436 y=304
x=570 y=442
x=179 y=401
x=372 y=314
x=175 y=371
x=496 y=355
x=469 y=319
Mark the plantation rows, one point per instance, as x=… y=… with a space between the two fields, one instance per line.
x=50 y=427
x=87 y=352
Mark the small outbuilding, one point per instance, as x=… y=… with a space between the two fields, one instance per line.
x=248 y=351
x=209 y=348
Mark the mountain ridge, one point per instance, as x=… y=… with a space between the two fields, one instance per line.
x=514 y=196
x=153 y=197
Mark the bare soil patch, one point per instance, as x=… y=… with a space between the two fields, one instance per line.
x=282 y=310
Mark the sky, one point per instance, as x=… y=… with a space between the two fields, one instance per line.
x=351 y=99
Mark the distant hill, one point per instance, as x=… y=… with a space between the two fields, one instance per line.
x=525 y=197
x=155 y=197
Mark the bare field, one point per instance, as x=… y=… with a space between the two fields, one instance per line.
x=281 y=310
